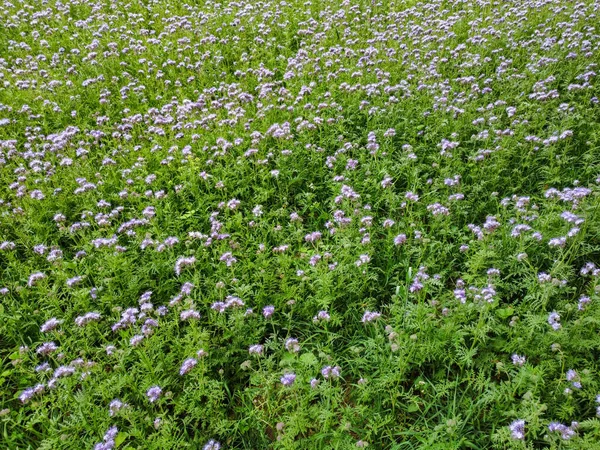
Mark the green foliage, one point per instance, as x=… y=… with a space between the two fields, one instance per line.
x=166 y=112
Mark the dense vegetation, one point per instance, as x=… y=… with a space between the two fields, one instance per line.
x=299 y=225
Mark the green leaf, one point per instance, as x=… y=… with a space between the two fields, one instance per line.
x=309 y=359
x=287 y=360
x=120 y=438
x=413 y=407
x=504 y=313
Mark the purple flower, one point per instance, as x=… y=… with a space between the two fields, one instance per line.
x=292 y=345
x=518 y=360
x=115 y=406
x=565 y=432
x=362 y=259
x=268 y=311
x=109 y=439
x=288 y=379
x=313 y=237
x=188 y=365
x=28 y=393
x=136 y=340
x=387 y=182
x=583 y=301
x=228 y=259
x=81 y=321
x=212 y=445
x=437 y=209
x=50 y=325
x=331 y=372
x=557 y=242
x=517 y=429
x=322 y=316
x=370 y=316
x=182 y=262
x=154 y=393
x=34 y=278
x=189 y=314
x=46 y=348
x=554 y=320
x=255 y=349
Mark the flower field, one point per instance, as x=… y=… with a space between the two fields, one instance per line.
x=322 y=224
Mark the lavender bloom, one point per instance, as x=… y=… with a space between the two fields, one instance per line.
x=476 y=231
x=565 y=432
x=109 y=440
x=268 y=311
x=362 y=259
x=44 y=367
x=7 y=245
x=212 y=445
x=115 y=406
x=313 y=237
x=34 y=278
x=521 y=256
x=29 y=393
x=331 y=372
x=370 y=316
x=292 y=345
x=182 y=262
x=81 y=321
x=544 y=277
x=50 y=325
x=136 y=340
x=322 y=316
x=257 y=211
x=411 y=196
x=314 y=260
x=187 y=365
x=387 y=182
x=288 y=379
x=189 y=314
x=219 y=306
x=255 y=349
x=72 y=282
x=573 y=376
x=437 y=209
x=228 y=259
x=554 y=321
x=64 y=371
x=517 y=429
x=154 y=393
x=46 y=348
x=583 y=301
x=187 y=288
x=416 y=285
x=557 y=242
x=518 y=360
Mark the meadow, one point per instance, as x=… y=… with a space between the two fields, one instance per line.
x=324 y=224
